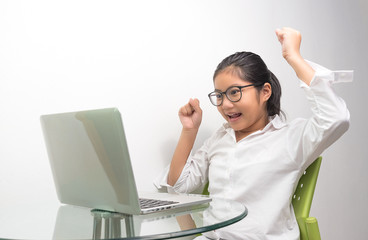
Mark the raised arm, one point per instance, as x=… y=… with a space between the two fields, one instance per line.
x=290 y=40
x=190 y=116
x=330 y=116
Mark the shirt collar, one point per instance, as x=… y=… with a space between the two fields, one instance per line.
x=275 y=123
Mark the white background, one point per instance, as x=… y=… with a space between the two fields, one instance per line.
x=148 y=58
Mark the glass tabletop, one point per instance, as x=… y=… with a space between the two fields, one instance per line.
x=55 y=221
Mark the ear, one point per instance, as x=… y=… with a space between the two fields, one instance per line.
x=266 y=92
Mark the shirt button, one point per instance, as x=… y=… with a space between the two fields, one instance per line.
x=289 y=224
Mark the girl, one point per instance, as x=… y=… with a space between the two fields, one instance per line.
x=256 y=157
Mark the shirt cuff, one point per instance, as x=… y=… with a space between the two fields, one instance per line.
x=161 y=181
x=329 y=75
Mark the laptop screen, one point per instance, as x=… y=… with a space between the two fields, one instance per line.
x=90 y=160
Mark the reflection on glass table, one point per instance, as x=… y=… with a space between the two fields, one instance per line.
x=82 y=223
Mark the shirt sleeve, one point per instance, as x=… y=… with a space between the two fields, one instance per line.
x=330 y=119
x=193 y=175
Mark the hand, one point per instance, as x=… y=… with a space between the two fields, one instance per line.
x=191 y=115
x=290 y=40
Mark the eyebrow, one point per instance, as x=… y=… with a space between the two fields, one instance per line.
x=234 y=85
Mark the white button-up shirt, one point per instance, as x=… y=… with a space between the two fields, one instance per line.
x=262 y=170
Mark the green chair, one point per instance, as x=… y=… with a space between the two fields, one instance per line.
x=302 y=201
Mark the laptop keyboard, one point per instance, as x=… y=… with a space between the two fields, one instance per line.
x=150 y=203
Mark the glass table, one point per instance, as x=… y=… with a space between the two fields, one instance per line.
x=55 y=221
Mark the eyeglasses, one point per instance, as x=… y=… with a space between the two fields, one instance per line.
x=234 y=94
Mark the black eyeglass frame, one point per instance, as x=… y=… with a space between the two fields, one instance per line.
x=225 y=93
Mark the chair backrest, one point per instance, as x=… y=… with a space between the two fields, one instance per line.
x=205 y=189
x=303 y=196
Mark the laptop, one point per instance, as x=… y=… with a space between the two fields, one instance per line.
x=91 y=166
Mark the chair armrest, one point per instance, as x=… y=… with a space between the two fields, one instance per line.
x=312 y=228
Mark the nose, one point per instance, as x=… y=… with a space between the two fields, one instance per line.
x=226 y=103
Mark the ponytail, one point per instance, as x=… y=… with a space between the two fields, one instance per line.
x=273 y=103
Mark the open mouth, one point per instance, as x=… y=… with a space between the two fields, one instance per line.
x=234 y=116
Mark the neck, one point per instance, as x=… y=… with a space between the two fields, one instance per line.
x=257 y=126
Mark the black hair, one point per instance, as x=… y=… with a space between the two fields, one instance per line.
x=250 y=67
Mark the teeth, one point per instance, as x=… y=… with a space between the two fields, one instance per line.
x=234 y=115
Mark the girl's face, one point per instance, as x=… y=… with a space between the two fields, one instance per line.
x=247 y=115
